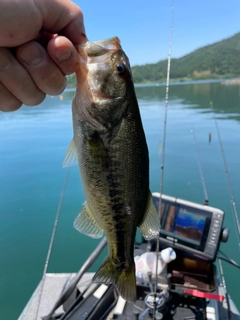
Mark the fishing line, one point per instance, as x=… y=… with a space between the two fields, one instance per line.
x=199 y=165
x=164 y=142
x=51 y=241
x=227 y=178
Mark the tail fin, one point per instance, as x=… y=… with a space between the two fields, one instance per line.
x=124 y=281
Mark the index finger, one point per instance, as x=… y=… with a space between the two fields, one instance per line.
x=63 y=17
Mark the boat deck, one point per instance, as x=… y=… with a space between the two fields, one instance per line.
x=54 y=285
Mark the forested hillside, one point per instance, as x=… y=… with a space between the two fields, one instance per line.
x=218 y=60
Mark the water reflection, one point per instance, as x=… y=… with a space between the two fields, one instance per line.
x=225 y=99
x=51 y=110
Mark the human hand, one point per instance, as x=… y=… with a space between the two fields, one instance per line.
x=30 y=70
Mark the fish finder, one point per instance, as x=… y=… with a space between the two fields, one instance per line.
x=193 y=229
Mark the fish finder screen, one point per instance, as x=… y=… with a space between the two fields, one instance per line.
x=187 y=224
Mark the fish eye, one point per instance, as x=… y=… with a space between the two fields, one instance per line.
x=121 y=69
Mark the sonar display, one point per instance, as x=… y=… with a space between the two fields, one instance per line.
x=189 y=225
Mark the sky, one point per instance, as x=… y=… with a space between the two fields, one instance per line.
x=144 y=26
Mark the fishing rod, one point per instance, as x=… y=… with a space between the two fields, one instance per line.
x=234 y=210
x=206 y=201
x=220 y=267
x=51 y=242
x=227 y=178
x=224 y=286
x=163 y=146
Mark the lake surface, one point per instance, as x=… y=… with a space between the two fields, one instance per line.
x=33 y=141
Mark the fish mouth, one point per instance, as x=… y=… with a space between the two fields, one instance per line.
x=99 y=48
x=96 y=54
x=107 y=45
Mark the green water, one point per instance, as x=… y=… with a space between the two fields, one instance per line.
x=32 y=146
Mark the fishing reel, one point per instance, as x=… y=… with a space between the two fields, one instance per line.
x=156 y=301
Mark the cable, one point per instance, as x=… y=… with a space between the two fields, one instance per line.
x=227 y=259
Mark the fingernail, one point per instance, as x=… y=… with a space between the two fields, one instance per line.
x=32 y=56
x=62 y=54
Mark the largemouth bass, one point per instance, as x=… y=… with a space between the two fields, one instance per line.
x=110 y=146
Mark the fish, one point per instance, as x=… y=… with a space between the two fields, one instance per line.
x=110 y=147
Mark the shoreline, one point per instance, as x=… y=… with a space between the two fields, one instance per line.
x=231 y=82
x=223 y=81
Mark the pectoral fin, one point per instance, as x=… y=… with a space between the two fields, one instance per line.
x=70 y=157
x=150 y=225
x=86 y=224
